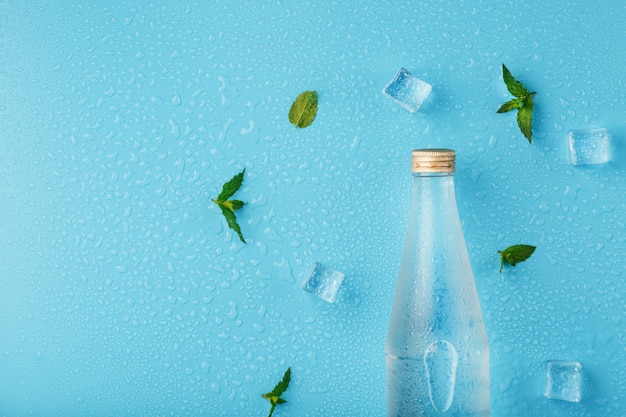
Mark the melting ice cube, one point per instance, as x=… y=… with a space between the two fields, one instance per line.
x=407 y=90
x=323 y=282
x=589 y=146
x=563 y=381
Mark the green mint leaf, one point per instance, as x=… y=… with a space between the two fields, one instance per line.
x=523 y=103
x=515 y=87
x=236 y=204
x=525 y=120
x=283 y=384
x=303 y=109
x=274 y=395
x=231 y=187
x=232 y=205
x=231 y=220
x=510 y=105
x=229 y=207
x=515 y=254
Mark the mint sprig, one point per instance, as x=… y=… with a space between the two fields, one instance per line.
x=274 y=396
x=523 y=102
x=515 y=254
x=229 y=207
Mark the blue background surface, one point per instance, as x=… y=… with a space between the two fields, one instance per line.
x=122 y=291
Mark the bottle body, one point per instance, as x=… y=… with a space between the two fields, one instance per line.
x=437 y=352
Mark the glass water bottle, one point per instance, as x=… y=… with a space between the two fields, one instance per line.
x=437 y=353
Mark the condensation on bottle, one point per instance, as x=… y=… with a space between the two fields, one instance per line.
x=437 y=352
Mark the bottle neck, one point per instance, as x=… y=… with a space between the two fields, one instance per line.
x=434 y=199
x=433 y=183
x=433 y=174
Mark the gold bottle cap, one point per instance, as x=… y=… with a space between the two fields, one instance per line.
x=432 y=160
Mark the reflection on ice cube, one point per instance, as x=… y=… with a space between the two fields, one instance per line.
x=407 y=90
x=323 y=282
x=563 y=381
x=588 y=146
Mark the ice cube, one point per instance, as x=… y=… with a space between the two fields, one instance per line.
x=323 y=282
x=589 y=146
x=407 y=90
x=563 y=381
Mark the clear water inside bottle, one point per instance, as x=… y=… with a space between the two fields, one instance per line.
x=437 y=352
x=415 y=390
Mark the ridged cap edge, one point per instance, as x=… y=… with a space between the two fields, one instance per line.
x=433 y=160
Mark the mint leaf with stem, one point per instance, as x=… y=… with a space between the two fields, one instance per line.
x=523 y=103
x=229 y=207
x=515 y=254
x=304 y=108
x=274 y=396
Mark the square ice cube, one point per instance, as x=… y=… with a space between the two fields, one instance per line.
x=588 y=146
x=563 y=381
x=407 y=90
x=323 y=282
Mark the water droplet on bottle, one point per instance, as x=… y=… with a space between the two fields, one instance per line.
x=441 y=360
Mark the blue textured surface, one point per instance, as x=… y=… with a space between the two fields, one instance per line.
x=122 y=291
